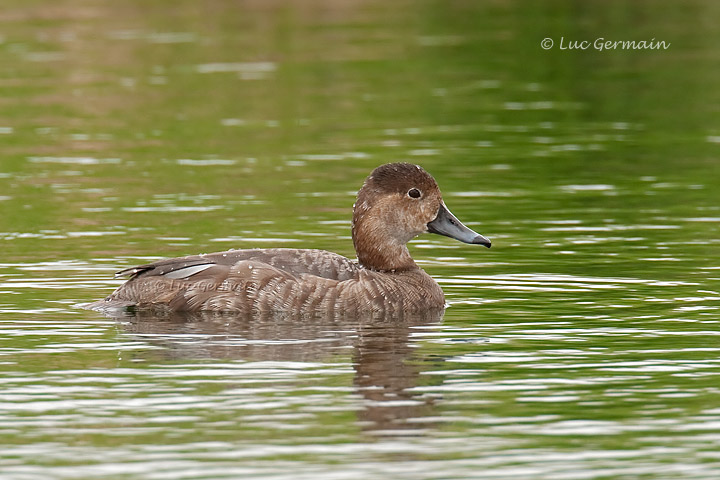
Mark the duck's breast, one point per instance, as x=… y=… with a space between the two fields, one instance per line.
x=408 y=291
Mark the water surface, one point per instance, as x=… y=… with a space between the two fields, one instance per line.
x=584 y=344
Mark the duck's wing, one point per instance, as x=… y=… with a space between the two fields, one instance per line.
x=238 y=280
x=293 y=261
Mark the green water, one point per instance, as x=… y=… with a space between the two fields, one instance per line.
x=584 y=344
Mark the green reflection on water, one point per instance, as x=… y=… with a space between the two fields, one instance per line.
x=133 y=131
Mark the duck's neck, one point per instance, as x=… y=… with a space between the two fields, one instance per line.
x=379 y=251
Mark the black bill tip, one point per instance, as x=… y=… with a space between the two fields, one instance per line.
x=482 y=240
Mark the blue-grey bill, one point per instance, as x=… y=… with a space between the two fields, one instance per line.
x=447 y=224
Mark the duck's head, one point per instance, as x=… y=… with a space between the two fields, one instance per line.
x=398 y=202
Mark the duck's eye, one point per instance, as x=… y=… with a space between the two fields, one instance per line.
x=414 y=193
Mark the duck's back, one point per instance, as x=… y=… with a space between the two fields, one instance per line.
x=320 y=263
x=272 y=280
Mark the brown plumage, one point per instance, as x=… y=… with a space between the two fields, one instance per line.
x=397 y=202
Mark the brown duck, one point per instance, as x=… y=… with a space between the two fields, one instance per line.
x=397 y=202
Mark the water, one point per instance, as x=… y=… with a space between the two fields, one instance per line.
x=583 y=345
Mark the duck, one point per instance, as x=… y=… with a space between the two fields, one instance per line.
x=396 y=203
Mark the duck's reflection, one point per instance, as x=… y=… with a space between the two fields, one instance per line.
x=384 y=355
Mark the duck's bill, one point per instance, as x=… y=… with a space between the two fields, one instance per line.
x=447 y=224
